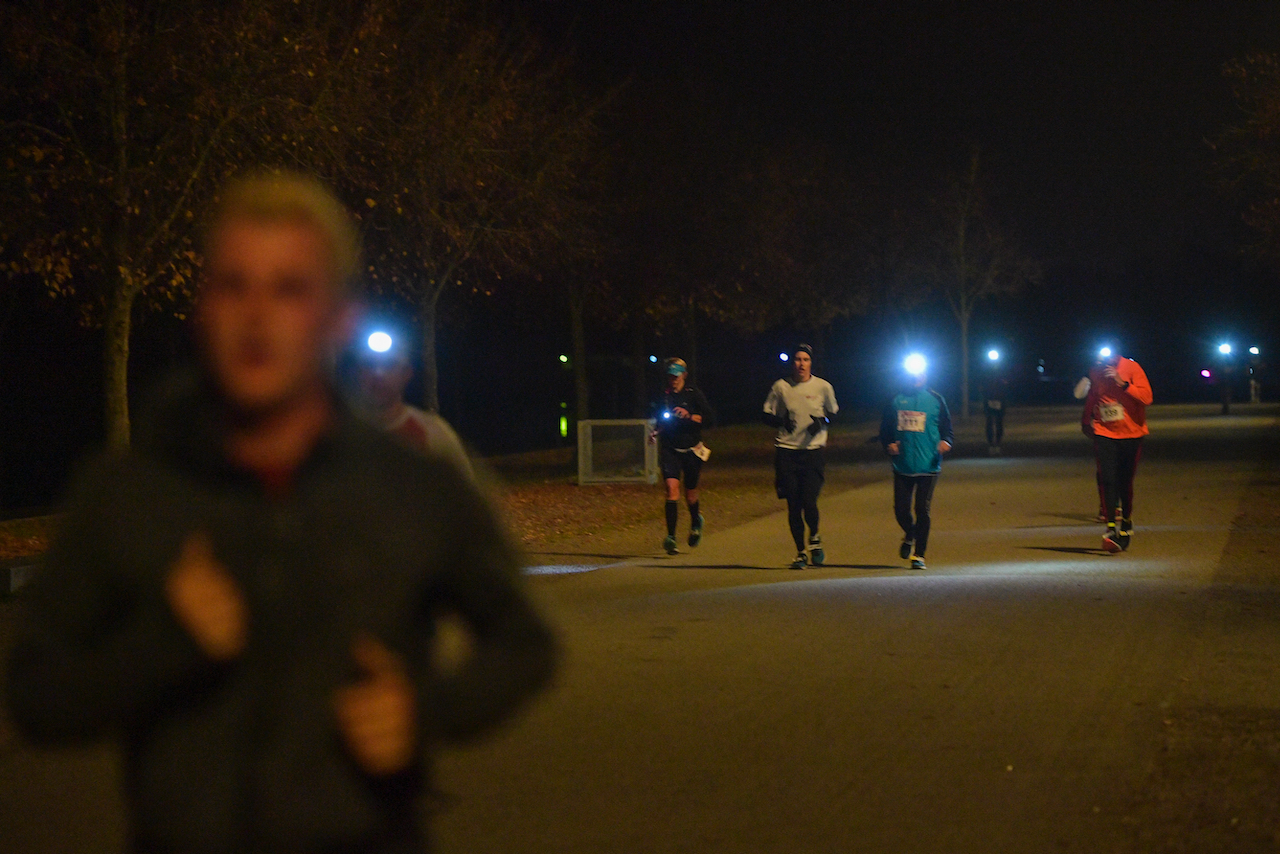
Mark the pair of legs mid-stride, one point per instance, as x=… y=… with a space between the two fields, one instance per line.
x=915 y=532
x=1117 y=465
x=995 y=430
x=675 y=465
x=798 y=478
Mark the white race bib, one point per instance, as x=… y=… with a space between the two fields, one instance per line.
x=910 y=422
x=1110 y=412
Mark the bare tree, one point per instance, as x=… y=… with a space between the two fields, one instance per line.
x=466 y=169
x=1248 y=154
x=123 y=117
x=972 y=260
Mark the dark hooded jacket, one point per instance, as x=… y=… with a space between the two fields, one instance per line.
x=246 y=756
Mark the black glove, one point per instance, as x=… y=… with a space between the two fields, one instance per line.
x=817 y=425
x=787 y=421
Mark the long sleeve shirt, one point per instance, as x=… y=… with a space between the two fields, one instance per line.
x=1117 y=408
x=917 y=419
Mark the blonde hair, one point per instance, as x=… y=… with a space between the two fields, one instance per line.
x=292 y=197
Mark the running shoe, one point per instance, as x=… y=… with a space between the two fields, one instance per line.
x=1126 y=533
x=695 y=533
x=670 y=545
x=816 y=554
x=905 y=550
x=1111 y=541
x=917 y=561
x=801 y=561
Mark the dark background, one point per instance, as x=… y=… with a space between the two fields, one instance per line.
x=1092 y=119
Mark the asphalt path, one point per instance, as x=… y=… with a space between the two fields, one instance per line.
x=1026 y=693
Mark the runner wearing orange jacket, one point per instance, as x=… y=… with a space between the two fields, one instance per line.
x=1115 y=415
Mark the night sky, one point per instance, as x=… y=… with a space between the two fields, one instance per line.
x=1092 y=119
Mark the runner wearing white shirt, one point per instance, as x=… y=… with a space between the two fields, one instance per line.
x=801 y=407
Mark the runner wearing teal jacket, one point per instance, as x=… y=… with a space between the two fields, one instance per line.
x=916 y=431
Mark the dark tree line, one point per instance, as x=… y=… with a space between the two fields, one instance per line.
x=476 y=159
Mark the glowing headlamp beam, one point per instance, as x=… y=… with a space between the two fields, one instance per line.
x=379 y=342
x=915 y=364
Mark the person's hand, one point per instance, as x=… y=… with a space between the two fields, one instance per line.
x=681 y=412
x=944 y=446
x=894 y=448
x=1110 y=373
x=206 y=600
x=378 y=715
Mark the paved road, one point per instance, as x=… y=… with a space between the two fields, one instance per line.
x=1026 y=694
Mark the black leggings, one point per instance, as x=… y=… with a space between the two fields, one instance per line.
x=798 y=477
x=922 y=485
x=1117 y=464
x=995 y=426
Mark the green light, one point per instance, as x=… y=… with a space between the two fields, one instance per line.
x=564 y=426
x=564 y=360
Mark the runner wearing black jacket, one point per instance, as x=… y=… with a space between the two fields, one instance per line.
x=679 y=416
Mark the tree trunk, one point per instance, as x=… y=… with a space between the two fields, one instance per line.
x=639 y=360
x=964 y=365
x=577 y=325
x=430 y=368
x=115 y=360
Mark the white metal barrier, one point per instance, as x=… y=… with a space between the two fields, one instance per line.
x=616 y=451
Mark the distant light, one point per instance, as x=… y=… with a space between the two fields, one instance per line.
x=783 y=356
x=564 y=426
x=379 y=342
x=1253 y=350
x=564 y=360
x=1224 y=349
x=653 y=359
x=1105 y=352
x=993 y=355
x=1040 y=369
x=915 y=364
x=1206 y=373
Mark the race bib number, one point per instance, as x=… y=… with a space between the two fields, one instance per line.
x=910 y=422
x=1110 y=412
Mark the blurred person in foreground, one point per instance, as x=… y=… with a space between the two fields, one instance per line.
x=679 y=416
x=801 y=407
x=381 y=378
x=915 y=430
x=246 y=599
x=1115 y=416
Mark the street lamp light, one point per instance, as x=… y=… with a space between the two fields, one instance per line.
x=1224 y=349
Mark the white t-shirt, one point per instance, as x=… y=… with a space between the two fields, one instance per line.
x=806 y=401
